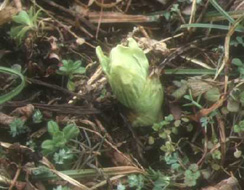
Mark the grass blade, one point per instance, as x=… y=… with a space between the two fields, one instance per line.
x=15 y=91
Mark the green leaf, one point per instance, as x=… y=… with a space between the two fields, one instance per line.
x=232 y=105
x=80 y=70
x=17 y=127
x=120 y=186
x=237 y=62
x=14 y=31
x=212 y=95
x=151 y=140
x=37 y=116
x=222 y=11
x=76 y=65
x=70 y=131
x=22 y=33
x=161 y=183
x=193 y=167
x=48 y=145
x=22 y=18
x=136 y=181
x=242 y=98
x=59 y=140
x=16 y=90
x=216 y=155
x=52 y=127
x=180 y=92
x=208 y=26
x=71 y=85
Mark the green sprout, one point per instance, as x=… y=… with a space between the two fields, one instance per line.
x=27 y=21
x=70 y=68
x=37 y=116
x=17 y=127
x=127 y=71
x=59 y=138
x=191 y=175
x=238 y=128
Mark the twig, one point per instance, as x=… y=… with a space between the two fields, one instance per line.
x=53 y=86
x=15 y=178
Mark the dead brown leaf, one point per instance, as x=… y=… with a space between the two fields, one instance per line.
x=227 y=184
x=25 y=112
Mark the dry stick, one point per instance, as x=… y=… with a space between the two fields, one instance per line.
x=15 y=178
x=60 y=108
x=99 y=21
x=227 y=52
x=203 y=12
x=109 y=5
x=222 y=135
x=18 y=4
x=193 y=13
x=128 y=6
x=62 y=25
x=53 y=86
x=85 y=21
x=113 y=147
x=105 y=181
x=239 y=6
x=181 y=50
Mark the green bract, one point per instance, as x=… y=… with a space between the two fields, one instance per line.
x=127 y=70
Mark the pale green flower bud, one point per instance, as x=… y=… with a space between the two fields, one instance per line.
x=127 y=72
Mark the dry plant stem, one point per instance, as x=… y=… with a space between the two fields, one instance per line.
x=65 y=177
x=95 y=76
x=103 y=130
x=73 y=23
x=15 y=178
x=60 y=108
x=105 y=181
x=18 y=4
x=173 y=37
x=128 y=6
x=206 y=111
x=113 y=147
x=52 y=86
x=4 y=4
x=62 y=25
x=109 y=5
x=85 y=21
x=183 y=49
x=222 y=136
x=197 y=62
x=193 y=13
x=240 y=5
x=203 y=12
x=201 y=161
x=227 y=52
x=70 y=180
x=100 y=20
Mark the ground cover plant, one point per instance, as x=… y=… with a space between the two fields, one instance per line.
x=121 y=95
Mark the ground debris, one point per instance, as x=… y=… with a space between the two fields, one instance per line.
x=227 y=184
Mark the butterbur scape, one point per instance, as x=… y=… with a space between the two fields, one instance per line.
x=127 y=71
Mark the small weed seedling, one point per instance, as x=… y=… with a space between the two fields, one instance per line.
x=27 y=21
x=59 y=138
x=70 y=68
x=37 y=116
x=238 y=128
x=17 y=127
